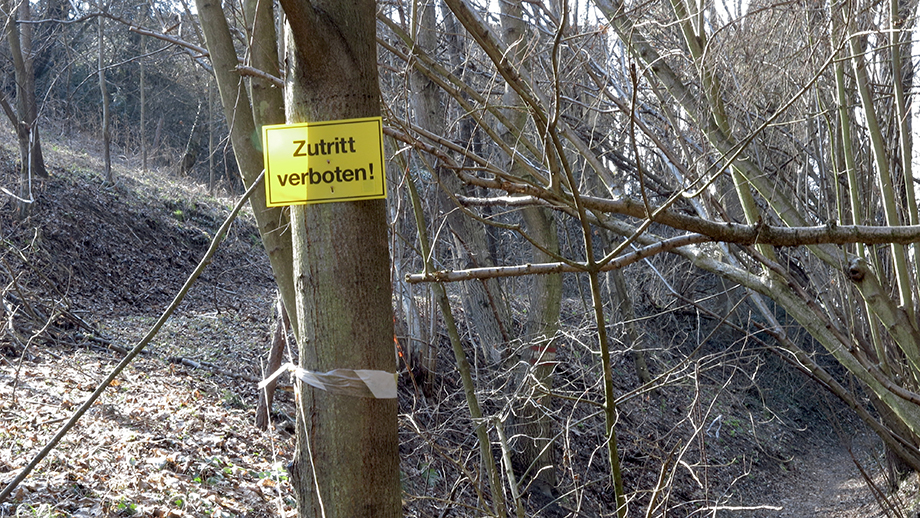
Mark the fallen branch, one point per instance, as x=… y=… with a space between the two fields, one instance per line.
x=106 y=343
x=188 y=362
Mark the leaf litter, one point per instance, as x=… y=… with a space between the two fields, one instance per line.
x=164 y=440
x=161 y=442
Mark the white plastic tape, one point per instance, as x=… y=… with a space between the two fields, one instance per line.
x=352 y=382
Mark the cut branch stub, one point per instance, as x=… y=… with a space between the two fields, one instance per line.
x=857 y=269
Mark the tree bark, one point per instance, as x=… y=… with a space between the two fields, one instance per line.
x=212 y=120
x=142 y=86
x=533 y=424
x=267 y=99
x=621 y=301
x=239 y=115
x=483 y=301
x=104 y=93
x=533 y=420
x=427 y=102
x=347 y=459
x=19 y=37
x=275 y=356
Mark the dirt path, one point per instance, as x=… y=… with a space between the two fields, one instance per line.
x=828 y=484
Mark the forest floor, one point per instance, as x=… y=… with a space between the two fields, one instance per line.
x=828 y=483
x=174 y=436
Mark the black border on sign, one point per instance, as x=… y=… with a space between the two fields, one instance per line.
x=266 y=159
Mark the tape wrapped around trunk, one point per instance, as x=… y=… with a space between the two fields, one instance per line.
x=362 y=383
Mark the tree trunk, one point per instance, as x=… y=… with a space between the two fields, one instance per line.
x=275 y=355
x=533 y=424
x=211 y=133
x=427 y=102
x=484 y=302
x=28 y=109
x=267 y=99
x=157 y=134
x=104 y=92
x=19 y=37
x=533 y=419
x=622 y=302
x=347 y=459
x=237 y=108
x=142 y=86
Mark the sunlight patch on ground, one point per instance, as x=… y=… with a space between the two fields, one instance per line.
x=161 y=441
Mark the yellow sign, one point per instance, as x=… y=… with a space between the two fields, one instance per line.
x=320 y=162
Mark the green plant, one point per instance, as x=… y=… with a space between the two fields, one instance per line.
x=277 y=472
x=734 y=425
x=231 y=399
x=125 y=507
x=431 y=475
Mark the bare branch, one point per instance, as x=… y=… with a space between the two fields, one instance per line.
x=255 y=72
x=548 y=268
x=201 y=52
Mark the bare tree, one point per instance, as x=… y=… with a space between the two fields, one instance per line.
x=683 y=144
x=25 y=115
x=347 y=446
x=104 y=94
